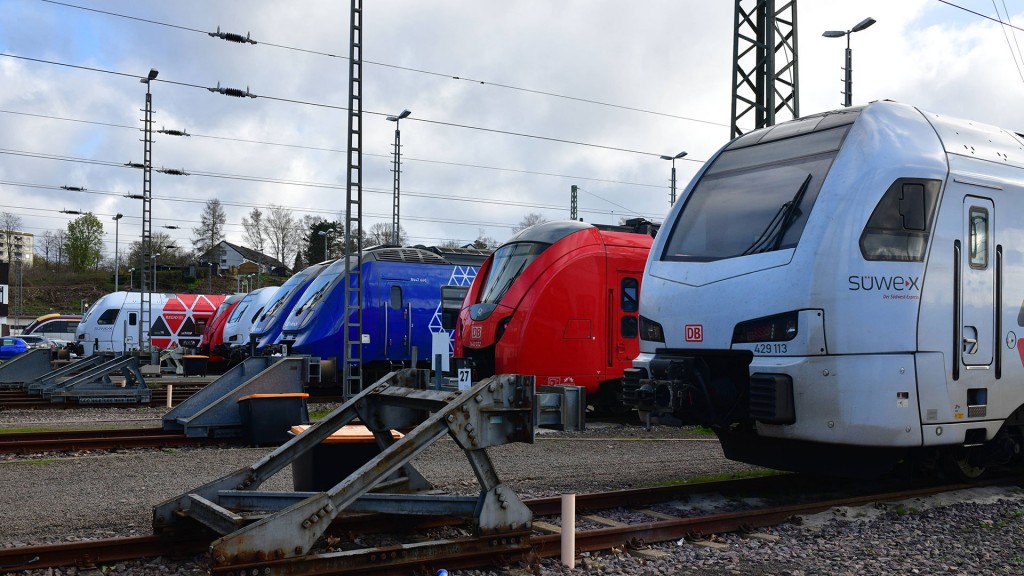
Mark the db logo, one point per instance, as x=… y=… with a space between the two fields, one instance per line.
x=694 y=332
x=477 y=332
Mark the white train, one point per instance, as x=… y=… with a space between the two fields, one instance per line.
x=842 y=291
x=111 y=324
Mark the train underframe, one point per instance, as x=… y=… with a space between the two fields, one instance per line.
x=606 y=400
x=716 y=390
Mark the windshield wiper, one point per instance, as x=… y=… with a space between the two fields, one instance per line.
x=771 y=237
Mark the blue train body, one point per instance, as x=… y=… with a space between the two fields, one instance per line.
x=402 y=308
x=267 y=328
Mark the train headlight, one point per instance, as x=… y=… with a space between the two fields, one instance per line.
x=651 y=330
x=480 y=312
x=778 y=328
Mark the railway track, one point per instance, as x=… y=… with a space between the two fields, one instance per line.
x=115 y=439
x=598 y=533
x=18 y=399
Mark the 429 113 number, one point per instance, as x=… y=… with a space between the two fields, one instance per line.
x=769 y=349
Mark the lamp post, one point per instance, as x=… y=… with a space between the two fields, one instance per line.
x=210 y=275
x=325 y=234
x=117 y=262
x=155 y=256
x=131 y=278
x=848 y=84
x=397 y=170
x=672 y=195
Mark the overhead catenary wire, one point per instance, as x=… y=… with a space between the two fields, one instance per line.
x=336 y=150
x=397 y=67
x=336 y=107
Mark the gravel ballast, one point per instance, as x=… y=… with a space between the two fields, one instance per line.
x=58 y=497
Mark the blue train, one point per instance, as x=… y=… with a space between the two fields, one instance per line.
x=402 y=306
x=267 y=328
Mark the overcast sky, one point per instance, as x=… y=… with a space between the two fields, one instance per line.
x=593 y=90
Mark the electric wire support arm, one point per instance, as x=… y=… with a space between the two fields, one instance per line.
x=496 y=411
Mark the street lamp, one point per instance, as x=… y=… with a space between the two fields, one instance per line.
x=397 y=170
x=848 y=101
x=117 y=262
x=672 y=196
x=155 y=256
x=131 y=278
x=325 y=234
x=210 y=275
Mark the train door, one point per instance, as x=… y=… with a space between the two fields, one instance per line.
x=623 y=330
x=397 y=322
x=977 y=285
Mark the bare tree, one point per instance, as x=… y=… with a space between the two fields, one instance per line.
x=253 y=226
x=380 y=234
x=9 y=225
x=484 y=241
x=211 y=227
x=282 y=233
x=530 y=219
x=163 y=244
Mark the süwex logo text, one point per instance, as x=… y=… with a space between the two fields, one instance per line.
x=894 y=283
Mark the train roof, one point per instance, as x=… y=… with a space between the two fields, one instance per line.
x=551 y=232
x=427 y=255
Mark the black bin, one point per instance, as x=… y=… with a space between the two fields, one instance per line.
x=194 y=365
x=334 y=459
x=267 y=418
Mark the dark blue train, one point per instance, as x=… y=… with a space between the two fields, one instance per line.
x=402 y=306
x=267 y=328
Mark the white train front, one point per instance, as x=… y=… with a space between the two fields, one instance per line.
x=838 y=292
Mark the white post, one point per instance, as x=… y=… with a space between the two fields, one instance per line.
x=170 y=392
x=569 y=530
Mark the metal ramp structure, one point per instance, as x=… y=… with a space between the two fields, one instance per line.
x=259 y=527
x=17 y=372
x=94 y=386
x=50 y=379
x=213 y=411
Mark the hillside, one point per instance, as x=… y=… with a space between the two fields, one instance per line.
x=49 y=291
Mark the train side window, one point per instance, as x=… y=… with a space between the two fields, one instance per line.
x=629 y=327
x=979 y=237
x=132 y=319
x=396 y=297
x=108 y=317
x=630 y=295
x=900 y=224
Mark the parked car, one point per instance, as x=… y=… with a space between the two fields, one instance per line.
x=11 y=347
x=34 y=341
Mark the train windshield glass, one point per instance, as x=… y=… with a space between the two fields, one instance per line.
x=509 y=262
x=754 y=199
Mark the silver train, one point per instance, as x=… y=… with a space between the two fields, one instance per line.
x=841 y=293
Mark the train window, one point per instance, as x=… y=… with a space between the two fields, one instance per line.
x=507 y=264
x=629 y=327
x=396 y=297
x=979 y=237
x=630 y=295
x=108 y=317
x=133 y=320
x=899 y=226
x=754 y=199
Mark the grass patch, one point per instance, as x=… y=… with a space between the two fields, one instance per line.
x=42 y=462
x=721 y=477
x=317 y=415
x=40 y=429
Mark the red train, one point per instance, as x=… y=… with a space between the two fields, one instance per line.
x=559 y=301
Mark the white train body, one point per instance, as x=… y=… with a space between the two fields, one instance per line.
x=866 y=309
x=111 y=324
x=236 y=329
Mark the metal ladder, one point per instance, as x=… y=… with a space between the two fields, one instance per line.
x=353 y=377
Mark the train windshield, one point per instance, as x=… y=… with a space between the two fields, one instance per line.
x=754 y=198
x=509 y=262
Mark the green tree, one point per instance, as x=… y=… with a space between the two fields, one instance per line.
x=83 y=242
x=315 y=241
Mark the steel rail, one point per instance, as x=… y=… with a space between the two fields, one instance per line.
x=74 y=440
